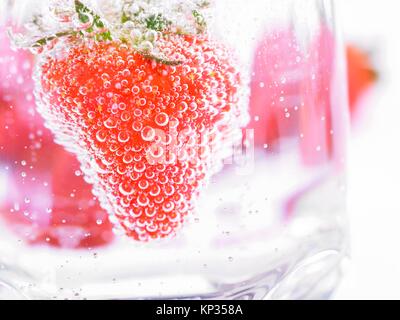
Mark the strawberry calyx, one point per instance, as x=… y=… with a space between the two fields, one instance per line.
x=137 y=23
x=86 y=15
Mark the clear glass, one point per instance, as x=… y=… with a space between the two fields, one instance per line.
x=265 y=215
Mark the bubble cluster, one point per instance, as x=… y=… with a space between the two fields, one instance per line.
x=148 y=135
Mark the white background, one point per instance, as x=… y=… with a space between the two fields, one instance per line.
x=374 y=167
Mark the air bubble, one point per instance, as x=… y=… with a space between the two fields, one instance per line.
x=183 y=106
x=162 y=119
x=142 y=200
x=123 y=137
x=136 y=35
x=143 y=184
x=126 y=189
x=155 y=190
x=137 y=126
x=101 y=136
x=146 y=46
x=127 y=159
x=139 y=167
x=168 y=206
x=110 y=123
x=83 y=91
x=125 y=116
x=135 y=90
x=148 y=133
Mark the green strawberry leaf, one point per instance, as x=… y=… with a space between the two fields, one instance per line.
x=157 y=22
x=84 y=14
x=201 y=22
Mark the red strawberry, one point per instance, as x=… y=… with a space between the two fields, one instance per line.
x=108 y=100
x=149 y=127
x=361 y=76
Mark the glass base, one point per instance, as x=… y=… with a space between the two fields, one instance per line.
x=314 y=278
x=293 y=251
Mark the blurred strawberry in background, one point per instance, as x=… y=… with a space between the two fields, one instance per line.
x=46 y=201
x=315 y=113
x=16 y=89
x=289 y=96
x=55 y=206
x=274 y=88
x=361 y=77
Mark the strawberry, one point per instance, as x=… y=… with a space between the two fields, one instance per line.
x=290 y=96
x=319 y=100
x=41 y=178
x=361 y=76
x=55 y=207
x=15 y=72
x=275 y=87
x=149 y=126
x=16 y=88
